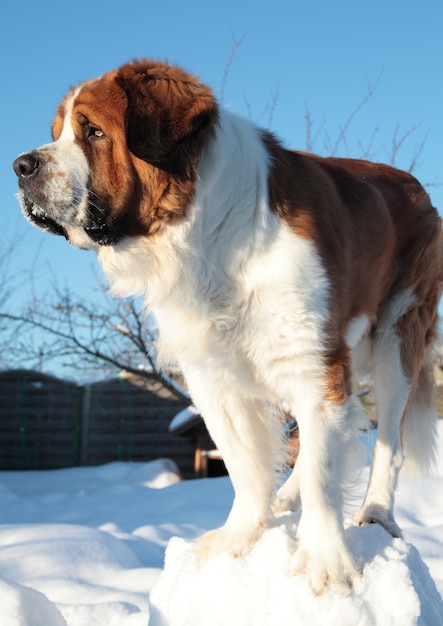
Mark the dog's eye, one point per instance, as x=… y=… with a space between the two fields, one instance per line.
x=94 y=132
x=90 y=131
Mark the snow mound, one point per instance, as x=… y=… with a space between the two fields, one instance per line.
x=46 y=555
x=104 y=614
x=22 y=606
x=395 y=588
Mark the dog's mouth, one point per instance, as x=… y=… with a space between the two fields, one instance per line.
x=97 y=230
x=40 y=218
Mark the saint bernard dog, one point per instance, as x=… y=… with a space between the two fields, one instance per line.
x=274 y=277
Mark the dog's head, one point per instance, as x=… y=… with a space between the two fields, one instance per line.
x=124 y=157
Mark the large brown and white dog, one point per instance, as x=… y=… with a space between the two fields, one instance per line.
x=274 y=277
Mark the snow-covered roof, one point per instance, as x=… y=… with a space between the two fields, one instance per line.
x=184 y=419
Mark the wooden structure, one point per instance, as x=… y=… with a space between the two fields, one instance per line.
x=48 y=423
x=207 y=459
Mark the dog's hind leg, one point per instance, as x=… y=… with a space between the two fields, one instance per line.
x=288 y=496
x=403 y=388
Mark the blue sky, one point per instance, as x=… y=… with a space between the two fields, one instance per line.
x=318 y=56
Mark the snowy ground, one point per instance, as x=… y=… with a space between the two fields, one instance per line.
x=85 y=547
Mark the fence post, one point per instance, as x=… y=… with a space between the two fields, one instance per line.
x=86 y=414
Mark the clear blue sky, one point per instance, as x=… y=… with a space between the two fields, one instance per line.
x=316 y=55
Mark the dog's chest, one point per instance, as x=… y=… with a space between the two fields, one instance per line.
x=263 y=315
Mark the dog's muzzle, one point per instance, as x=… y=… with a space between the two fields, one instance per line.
x=27 y=168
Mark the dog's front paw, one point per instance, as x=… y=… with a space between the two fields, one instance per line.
x=233 y=541
x=327 y=566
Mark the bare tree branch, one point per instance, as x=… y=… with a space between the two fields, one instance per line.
x=368 y=153
x=310 y=137
x=236 y=43
x=398 y=142
x=341 y=137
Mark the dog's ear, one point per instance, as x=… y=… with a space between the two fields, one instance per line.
x=169 y=114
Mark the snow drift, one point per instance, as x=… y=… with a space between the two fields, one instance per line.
x=395 y=589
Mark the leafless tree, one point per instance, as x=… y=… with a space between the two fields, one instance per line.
x=94 y=337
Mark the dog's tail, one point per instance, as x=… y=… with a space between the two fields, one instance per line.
x=419 y=424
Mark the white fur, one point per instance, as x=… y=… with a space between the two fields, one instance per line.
x=357 y=329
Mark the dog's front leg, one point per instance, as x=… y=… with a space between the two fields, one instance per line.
x=322 y=552
x=248 y=439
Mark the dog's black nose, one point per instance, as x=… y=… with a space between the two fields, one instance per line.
x=26 y=165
